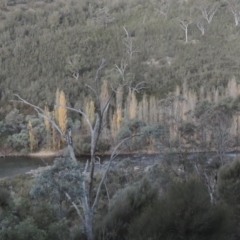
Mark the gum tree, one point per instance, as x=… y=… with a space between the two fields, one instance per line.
x=86 y=203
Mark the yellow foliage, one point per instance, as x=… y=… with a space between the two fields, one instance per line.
x=132 y=105
x=118 y=117
x=54 y=139
x=47 y=113
x=60 y=116
x=56 y=106
x=104 y=96
x=90 y=111
x=31 y=136
x=113 y=125
x=62 y=112
x=145 y=108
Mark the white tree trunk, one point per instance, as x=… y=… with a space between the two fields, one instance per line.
x=186 y=34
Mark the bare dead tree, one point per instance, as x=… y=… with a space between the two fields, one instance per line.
x=41 y=113
x=184 y=24
x=128 y=82
x=200 y=25
x=208 y=10
x=88 y=202
x=208 y=179
x=103 y=17
x=222 y=138
x=164 y=8
x=121 y=69
x=234 y=8
x=75 y=66
x=127 y=41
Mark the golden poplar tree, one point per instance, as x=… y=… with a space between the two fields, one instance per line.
x=62 y=112
x=153 y=111
x=113 y=125
x=118 y=117
x=31 y=136
x=48 y=127
x=60 y=116
x=104 y=95
x=132 y=110
x=47 y=113
x=90 y=111
x=54 y=139
x=56 y=106
x=145 y=108
x=119 y=102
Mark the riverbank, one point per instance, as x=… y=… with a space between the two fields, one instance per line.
x=43 y=153
x=46 y=154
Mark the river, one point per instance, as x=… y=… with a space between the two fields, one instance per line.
x=13 y=165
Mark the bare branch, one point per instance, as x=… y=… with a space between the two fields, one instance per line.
x=127 y=41
x=208 y=11
x=107 y=192
x=42 y=114
x=103 y=17
x=164 y=8
x=200 y=26
x=113 y=156
x=86 y=167
x=184 y=24
x=121 y=69
x=139 y=86
x=234 y=8
x=105 y=108
x=75 y=206
x=93 y=90
x=82 y=113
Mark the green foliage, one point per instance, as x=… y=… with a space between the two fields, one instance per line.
x=58 y=230
x=63 y=176
x=184 y=213
x=5 y=198
x=40 y=46
x=81 y=144
x=125 y=206
x=188 y=129
x=3 y=128
x=226 y=106
x=19 y=141
x=17 y=124
x=45 y=218
x=24 y=230
x=50 y=44
x=228 y=184
x=153 y=135
x=202 y=107
x=128 y=129
x=14 y=121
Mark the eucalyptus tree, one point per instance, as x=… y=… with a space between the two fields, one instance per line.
x=234 y=8
x=200 y=25
x=208 y=9
x=84 y=199
x=164 y=7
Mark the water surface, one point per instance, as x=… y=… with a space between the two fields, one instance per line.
x=11 y=166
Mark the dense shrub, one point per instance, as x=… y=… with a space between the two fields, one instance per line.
x=229 y=184
x=184 y=213
x=125 y=206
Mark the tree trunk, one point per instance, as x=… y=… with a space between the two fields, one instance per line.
x=186 y=34
x=89 y=225
x=71 y=153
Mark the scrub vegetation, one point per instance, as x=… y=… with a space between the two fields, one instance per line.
x=157 y=76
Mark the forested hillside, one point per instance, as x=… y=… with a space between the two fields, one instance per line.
x=121 y=76
x=172 y=54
